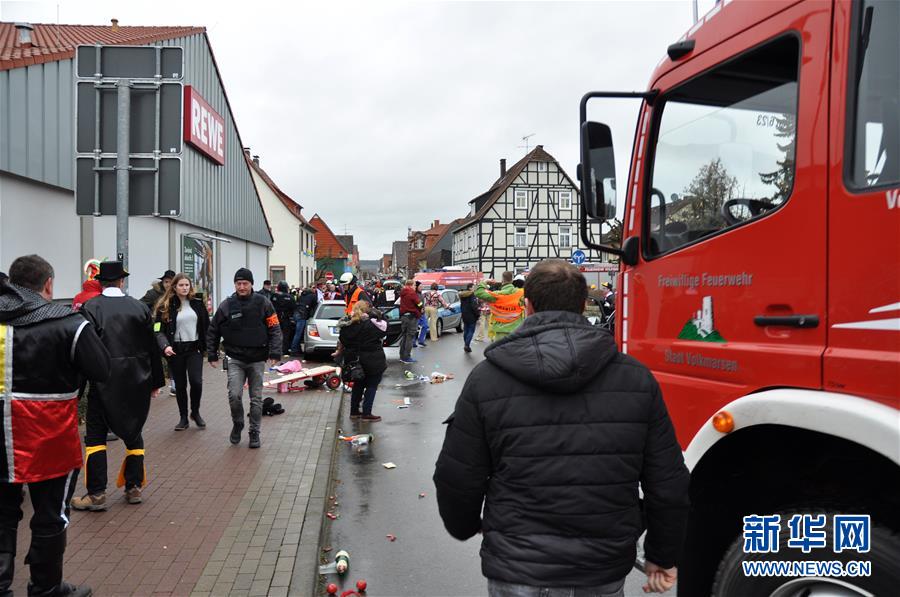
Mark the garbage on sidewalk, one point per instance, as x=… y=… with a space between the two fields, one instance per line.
x=389 y=465
x=340 y=565
x=362 y=439
x=391 y=537
x=438 y=377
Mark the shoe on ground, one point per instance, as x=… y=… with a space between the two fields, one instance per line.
x=133 y=495
x=408 y=361
x=254 y=440
x=370 y=418
x=236 y=429
x=182 y=424
x=172 y=391
x=91 y=503
x=467 y=349
x=69 y=590
x=198 y=420
x=354 y=416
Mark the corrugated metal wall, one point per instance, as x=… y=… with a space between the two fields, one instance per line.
x=36 y=141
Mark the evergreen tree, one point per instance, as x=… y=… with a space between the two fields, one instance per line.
x=783 y=177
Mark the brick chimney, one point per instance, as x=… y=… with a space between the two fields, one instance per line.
x=115 y=24
x=436 y=223
x=502 y=167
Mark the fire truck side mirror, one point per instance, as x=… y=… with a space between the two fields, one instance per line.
x=598 y=171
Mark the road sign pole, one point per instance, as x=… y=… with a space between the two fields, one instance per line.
x=123 y=167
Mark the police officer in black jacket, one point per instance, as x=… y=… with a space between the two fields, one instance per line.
x=552 y=434
x=249 y=325
x=285 y=307
x=46 y=349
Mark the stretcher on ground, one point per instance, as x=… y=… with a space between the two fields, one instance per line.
x=310 y=378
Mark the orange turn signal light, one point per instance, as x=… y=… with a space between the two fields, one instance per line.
x=723 y=422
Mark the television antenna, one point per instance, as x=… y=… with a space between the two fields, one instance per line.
x=527 y=145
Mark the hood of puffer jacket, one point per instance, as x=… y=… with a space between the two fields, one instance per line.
x=557 y=351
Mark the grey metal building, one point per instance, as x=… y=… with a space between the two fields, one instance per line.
x=222 y=225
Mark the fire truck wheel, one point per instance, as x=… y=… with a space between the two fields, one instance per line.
x=884 y=556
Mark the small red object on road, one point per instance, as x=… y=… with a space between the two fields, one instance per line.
x=349 y=593
x=331 y=516
x=421 y=495
x=331 y=588
x=391 y=537
x=361 y=585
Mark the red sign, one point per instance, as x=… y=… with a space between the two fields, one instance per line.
x=204 y=128
x=329 y=276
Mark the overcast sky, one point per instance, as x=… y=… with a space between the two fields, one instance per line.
x=382 y=115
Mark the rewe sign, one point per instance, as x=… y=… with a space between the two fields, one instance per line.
x=204 y=128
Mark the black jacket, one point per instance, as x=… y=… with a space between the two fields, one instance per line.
x=469 y=306
x=284 y=305
x=364 y=340
x=306 y=304
x=165 y=330
x=125 y=327
x=553 y=432
x=154 y=294
x=244 y=353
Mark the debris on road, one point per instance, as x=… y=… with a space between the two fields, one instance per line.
x=391 y=537
x=421 y=495
x=361 y=585
x=438 y=377
x=389 y=465
x=331 y=589
x=331 y=516
x=361 y=439
x=342 y=561
x=327 y=548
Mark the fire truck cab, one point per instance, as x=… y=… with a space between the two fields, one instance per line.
x=760 y=273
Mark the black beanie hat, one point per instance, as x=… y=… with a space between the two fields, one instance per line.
x=243 y=274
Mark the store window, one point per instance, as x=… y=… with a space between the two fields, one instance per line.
x=725 y=148
x=521 y=199
x=565 y=237
x=874 y=124
x=521 y=237
x=565 y=199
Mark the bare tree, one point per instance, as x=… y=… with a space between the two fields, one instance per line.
x=710 y=189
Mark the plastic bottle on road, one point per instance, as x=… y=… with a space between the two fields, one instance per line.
x=362 y=439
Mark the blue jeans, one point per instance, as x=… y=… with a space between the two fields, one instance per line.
x=364 y=391
x=498 y=588
x=469 y=332
x=423 y=322
x=298 y=334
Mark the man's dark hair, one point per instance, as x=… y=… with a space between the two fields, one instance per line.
x=507 y=277
x=555 y=285
x=267 y=282
x=31 y=272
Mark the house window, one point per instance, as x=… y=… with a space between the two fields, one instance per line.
x=276 y=274
x=521 y=199
x=542 y=166
x=521 y=237
x=565 y=199
x=565 y=237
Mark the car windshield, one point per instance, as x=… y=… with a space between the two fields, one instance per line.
x=330 y=312
x=393 y=313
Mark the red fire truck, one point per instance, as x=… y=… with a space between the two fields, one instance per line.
x=760 y=276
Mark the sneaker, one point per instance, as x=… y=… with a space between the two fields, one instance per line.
x=92 y=503
x=408 y=361
x=182 y=424
x=467 y=349
x=172 y=391
x=198 y=420
x=236 y=429
x=370 y=417
x=133 y=495
x=254 y=439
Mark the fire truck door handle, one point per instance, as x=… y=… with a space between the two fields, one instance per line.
x=794 y=321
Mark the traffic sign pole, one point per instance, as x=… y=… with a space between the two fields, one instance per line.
x=123 y=142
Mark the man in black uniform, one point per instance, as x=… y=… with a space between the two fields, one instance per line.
x=122 y=403
x=285 y=307
x=45 y=351
x=249 y=325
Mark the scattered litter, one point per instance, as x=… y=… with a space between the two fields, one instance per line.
x=403 y=406
x=335 y=504
x=406 y=401
x=389 y=465
x=331 y=497
x=165 y=547
x=361 y=585
x=288 y=367
x=331 y=588
x=421 y=495
x=326 y=549
x=391 y=537
x=438 y=377
x=331 y=516
x=362 y=439
x=350 y=593
x=342 y=561
x=329 y=568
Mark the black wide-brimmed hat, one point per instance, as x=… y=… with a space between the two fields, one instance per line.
x=169 y=274
x=110 y=271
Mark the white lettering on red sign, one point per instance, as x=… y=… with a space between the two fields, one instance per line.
x=204 y=128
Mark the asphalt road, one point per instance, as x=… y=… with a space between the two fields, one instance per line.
x=372 y=502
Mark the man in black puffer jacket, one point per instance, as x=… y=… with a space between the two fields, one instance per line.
x=553 y=433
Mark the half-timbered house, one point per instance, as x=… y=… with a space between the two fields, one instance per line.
x=529 y=214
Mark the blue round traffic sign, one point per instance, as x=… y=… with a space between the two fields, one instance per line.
x=578 y=257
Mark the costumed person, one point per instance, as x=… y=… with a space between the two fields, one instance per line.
x=286 y=308
x=248 y=323
x=90 y=287
x=181 y=325
x=45 y=351
x=121 y=403
x=507 y=306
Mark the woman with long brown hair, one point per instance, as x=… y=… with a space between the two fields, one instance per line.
x=362 y=338
x=181 y=324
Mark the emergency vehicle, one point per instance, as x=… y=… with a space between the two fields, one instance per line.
x=760 y=277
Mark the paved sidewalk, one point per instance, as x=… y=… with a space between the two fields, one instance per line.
x=217 y=519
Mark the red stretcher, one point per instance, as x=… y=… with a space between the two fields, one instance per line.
x=310 y=378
